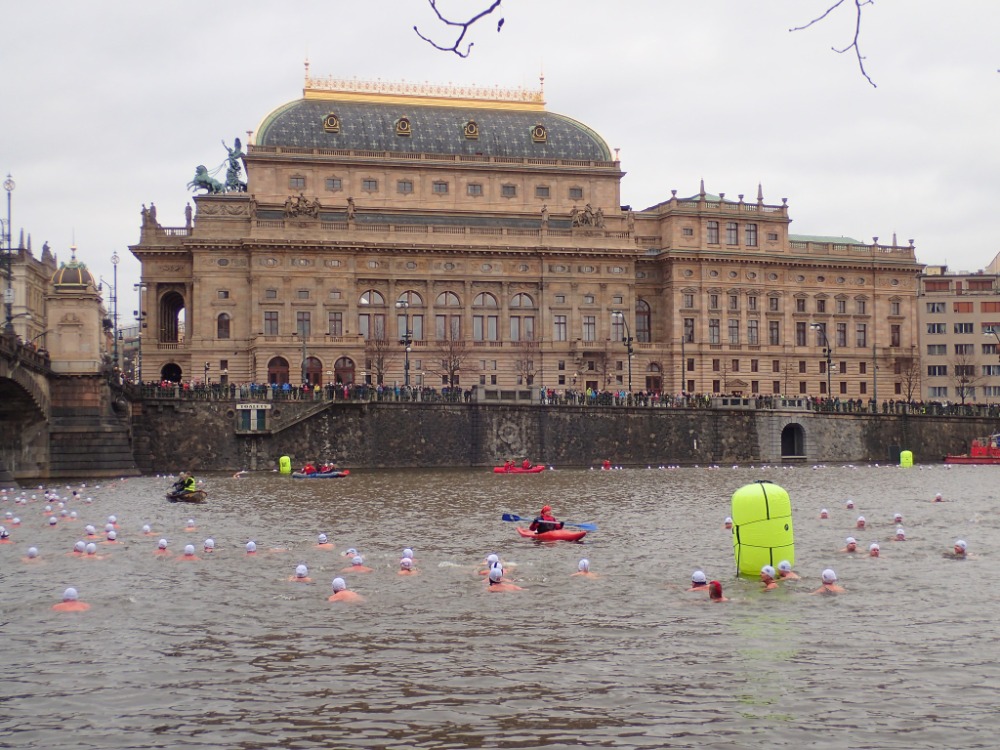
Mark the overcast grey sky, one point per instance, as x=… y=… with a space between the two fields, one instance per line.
x=109 y=105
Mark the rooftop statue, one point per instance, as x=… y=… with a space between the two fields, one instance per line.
x=234 y=165
x=203 y=180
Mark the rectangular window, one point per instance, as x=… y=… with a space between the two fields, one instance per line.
x=734 y=331
x=821 y=305
x=732 y=233
x=335 y=323
x=937 y=371
x=576 y=193
x=297 y=182
x=989 y=307
x=690 y=364
x=963 y=328
x=800 y=333
x=404 y=186
x=751 y=234
x=937 y=286
x=688 y=330
x=440 y=187
x=821 y=338
x=541 y=191
x=772 y=236
x=775 y=365
x=935 y=307
x=752 y=303
x=939 y=350
x=474 y=189
x=862 y=368
x=861 y=337
x=841 y=334
x=302 y=294
x=716 y=365
x=223 y=294
x=753 y=333
x=303 y=323
x=802 y=387
x=980 y=285
x=734 y=302
x=965 y=349
x=560 y=299
x=800 y=305
x=938 y=391
x=894 y=308
x=369 y=185
x=484 y=327
x=774 y=333
x=559 y=327
x=895 y=333
x=987 y=348
x=773 y=304
x=617 y=328
x=754 y=365
x=714 y=332
x=802 y=366
x=935 y=328
x=270 y=294
x=841 y=306
x=271 y=323
x=735 y=365
x=862 y=307
x=687 y=300
x=991 y=391
x=688 y=232
x=713 y=233
x=776 y=386
x=713 y=302
x=589 y=328
x=716 y=386
x=508 y=191
x=333 y=184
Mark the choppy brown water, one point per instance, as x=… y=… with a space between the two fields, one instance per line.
x=226 y=653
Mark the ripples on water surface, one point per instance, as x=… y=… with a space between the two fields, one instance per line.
x=226 y=653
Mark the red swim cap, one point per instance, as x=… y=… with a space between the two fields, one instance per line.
x=547 y=509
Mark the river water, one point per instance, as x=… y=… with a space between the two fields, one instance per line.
x=225 y=652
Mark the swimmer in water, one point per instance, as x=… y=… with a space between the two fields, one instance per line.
x=583 y=569
x=190 y=525
x=189 y=555
x=408 y=552
x=861 y=522
x=830 y=585
x=350 y=552
x=357 y=566
x=301 y=575
x=852 y=545
x=406 y=567
x=897 y=519
x=728 y=523
x=323 y=542
x=251 y=548
x=342 y=594
x=161 y=549
x=938 y=498
x=113 y=520
x=496 y=583
x=873 y=549
x=90 y=530
x=491 y=560
x=209 y=546
x=824 y=513
x=32 y=556
x=699 y=581
x=850 y=505
x=767 y=575
x=785 y=571
x=5 y=536
x=71 y=602
x=90 y=552
x=960 y=550
x=147 y=530
x=78 y=549
x=900 y=535
x=715 y=592
x=112 y=537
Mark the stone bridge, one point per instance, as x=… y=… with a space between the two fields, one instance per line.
x=25 y=410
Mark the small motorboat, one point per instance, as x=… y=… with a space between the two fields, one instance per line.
x=198 y=496
x=985 y=450
x=321 y=474
x=517 y=470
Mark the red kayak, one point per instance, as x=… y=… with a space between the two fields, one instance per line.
x=518 y=470
x=557 y=535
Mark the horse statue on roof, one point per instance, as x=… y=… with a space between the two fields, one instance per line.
x=203 y=180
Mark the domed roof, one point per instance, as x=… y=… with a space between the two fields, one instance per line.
x=432 y=124
x=73 y=275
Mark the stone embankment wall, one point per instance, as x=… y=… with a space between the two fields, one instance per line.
x=202 y=436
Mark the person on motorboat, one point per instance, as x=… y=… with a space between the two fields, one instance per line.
x=308 y=469
x=545 y=521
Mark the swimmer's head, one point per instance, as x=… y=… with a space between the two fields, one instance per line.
x=900 y=534
x=937 y=496
x=70 y=595
x=357 y=560
x=351 y=552
x=898 y=518
x=492 y=559
x=301 y=571
x=767 y=572
x=91 y=549
x=147 y=529
x=824 y=513
x=112 y=535
x=4 y=534
x=251 y=547
x=188 y=550
x=851 y=541
x=873 y=549
x=32 y=552
x=729 y=523
x=960 y=545
x=321 y=539
x=109 y=527
x=190 y=522
x=698 y=578
x=209 y=544
x=339 y=584
x=162 y=544
x=53 y=520
x=861 y=522
x=80 y=546
x=408 y=553
x=583 y=566
x=829 y=576
x=785 y=567
x=496 y=573
x=850 y=503
x=406 y=563
x=715 y=590
x=89 y=530
x=112 y=519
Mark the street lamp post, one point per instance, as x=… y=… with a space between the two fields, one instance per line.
x=140 y=316
x=114 y=304
x=827 y=352
x=627 y=340
x=406 y=340
x=8 y=295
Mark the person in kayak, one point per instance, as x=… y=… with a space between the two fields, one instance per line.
x=508 y=465
x=545 y=521
x=526 y=464
x=309 y=469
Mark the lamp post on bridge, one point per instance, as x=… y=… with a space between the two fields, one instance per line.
x=8 y=294
x=627 y=340
x=140 y=316
x=827 y=352
x=406 y=340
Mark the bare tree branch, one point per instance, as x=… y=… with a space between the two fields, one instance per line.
x=463 y=25
x=858 y=5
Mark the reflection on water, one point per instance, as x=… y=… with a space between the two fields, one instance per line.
x=227 y=653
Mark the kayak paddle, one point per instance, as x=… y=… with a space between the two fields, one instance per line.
x=584 y=526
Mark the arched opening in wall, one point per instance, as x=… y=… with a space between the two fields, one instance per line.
x=171 y=371
x=343 y=371
x=171 y=316
x=277 y=371
x=793 y=440
x=654 y=378
x=314 y=371
x=643 y=321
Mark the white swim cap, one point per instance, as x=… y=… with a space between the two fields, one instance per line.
x=729 y=519
x=824 y=512
x=301 y=571
x=873 y=546
x=112 y=535
x=491 y=559
x=109 y=527
x=73 y=515
x=4 y=533
x=850 y=540
x=190 y=522
x=584 y=566
x=210 y=543
x=900 y=532
x=48 y=508
x=829 y=576
x=898 y=518
x=112 y=519
x=351 y=552
x=251 y=546
x=961 y=544
x=406 y=563
x=64 y=513
x=321 y=539
x=80 y=546
x=32 y=551
x=339 y=584
x=785 y=566
x=16 y=521
x=53 y=520
x=91 y=548
x=861 y=519
x=146 y=529
x=408 y=553
x=90 y=529
x=188 y=549
x=698 y=577
x=850 y=503
x=767 y=570
x=162 y=544
x=357 y=560
x=496 y=573
x=70 y=595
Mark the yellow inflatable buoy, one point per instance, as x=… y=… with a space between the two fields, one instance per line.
x=762 y=527
x=906 y=459
x=285 y=465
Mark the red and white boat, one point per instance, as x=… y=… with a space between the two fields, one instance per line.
x=983 y=451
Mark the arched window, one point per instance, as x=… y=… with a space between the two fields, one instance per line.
x=409 y=316
x=372 y=298
x=522 y=300
x=411 y=298
x=643 y=322
x=277 y=371
x=448 y=299
x=222 y=326
x=343 y=371
x=485 y=321
x=485 y=299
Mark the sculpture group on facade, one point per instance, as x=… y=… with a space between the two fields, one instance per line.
x=299 y=206
x=588 y=217
x=203 y=180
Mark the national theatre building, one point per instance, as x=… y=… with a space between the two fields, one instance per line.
x=432 y=236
